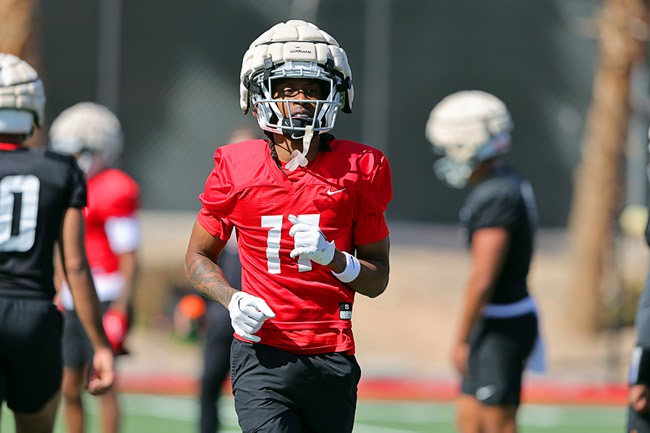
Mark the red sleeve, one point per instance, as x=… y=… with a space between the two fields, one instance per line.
x=128 y=202
x=370 y=225
x=218 y=199
x=219 y=228
x=113 y=193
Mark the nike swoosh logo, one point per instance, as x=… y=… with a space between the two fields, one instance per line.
x=485 y=392
x=330 y=192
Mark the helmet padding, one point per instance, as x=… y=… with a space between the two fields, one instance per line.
x=90 y=130
x=22 y=98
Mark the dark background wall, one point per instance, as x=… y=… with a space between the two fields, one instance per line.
x=179 y=68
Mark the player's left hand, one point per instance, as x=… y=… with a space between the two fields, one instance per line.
x=637 y=398
x=310 y=242
x=102 y=373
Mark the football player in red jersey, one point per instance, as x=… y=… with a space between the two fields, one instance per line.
x=42 y=194
x=308 y=210
x=93 y=134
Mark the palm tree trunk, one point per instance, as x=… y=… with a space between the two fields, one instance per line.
x=599 y=178
x=19 y=36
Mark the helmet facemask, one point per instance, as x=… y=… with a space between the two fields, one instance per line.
x=318 y=116
x=267 y=108
x=91 y=163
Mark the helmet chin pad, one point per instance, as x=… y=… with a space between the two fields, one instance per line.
x=299 y=124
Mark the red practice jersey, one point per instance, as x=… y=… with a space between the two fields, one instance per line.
x=111 y=194
x=345 y=192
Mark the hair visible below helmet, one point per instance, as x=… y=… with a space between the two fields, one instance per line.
x=90 y=130
x=467 y=127
x=22 y=98
x=295 y=49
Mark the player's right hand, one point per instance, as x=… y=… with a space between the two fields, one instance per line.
x=460 y=357
x=247 y=315
x=102 y=373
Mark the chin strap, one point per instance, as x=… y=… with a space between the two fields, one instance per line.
x=300 y=158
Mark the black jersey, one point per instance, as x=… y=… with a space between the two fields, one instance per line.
x=505 y=199
x=37 y=186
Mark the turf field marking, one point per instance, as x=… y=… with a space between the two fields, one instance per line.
x=572 y=416
x=411 y=415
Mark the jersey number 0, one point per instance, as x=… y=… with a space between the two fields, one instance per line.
x=18 y=211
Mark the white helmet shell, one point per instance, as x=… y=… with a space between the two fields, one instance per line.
x=90 y=128
x=22 y=98
x=295 y=49
x=467 y=127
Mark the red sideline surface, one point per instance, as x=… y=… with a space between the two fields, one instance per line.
x=405 y=389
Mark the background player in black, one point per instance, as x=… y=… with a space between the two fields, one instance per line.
x=41 y=197
x=216 y=352
x=498 y=327
x=638 y=416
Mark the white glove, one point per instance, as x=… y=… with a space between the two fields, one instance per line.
x=310 y=242
x=247 y=314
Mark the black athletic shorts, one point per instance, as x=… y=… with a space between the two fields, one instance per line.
x=30 y=353
x=638 y=422
x=280 y=392
x=499 y=349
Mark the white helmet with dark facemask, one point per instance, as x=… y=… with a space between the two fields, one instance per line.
x=295 y=49
x=467 y=127
x=90 y=131
x=22 y=99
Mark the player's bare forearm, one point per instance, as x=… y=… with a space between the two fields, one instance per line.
x=373 y=278
x=74 y=264
x=87 y=305
x=477 y=294
x=208 y=279
x=375 y=268
x=489 y=247
x=128 y=263
x=201 y=266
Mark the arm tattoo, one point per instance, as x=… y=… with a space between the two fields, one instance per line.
x=208 y=279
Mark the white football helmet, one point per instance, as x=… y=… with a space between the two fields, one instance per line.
x=91 y=132
x=295 y=49
x=467 y=127
x=22 y=99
